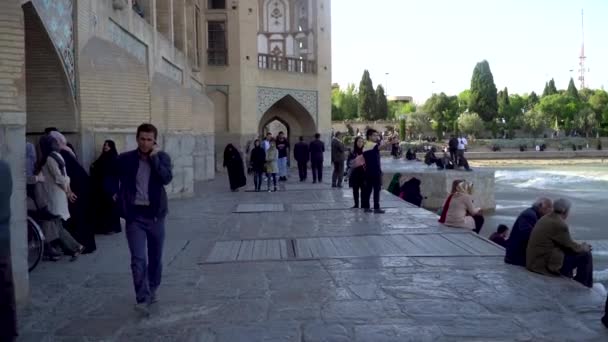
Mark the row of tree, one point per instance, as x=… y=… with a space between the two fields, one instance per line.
x=481 y=109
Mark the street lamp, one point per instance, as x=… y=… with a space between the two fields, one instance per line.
x=386 y=83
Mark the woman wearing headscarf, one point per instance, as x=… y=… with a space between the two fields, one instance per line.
x=79 y=224
x=394 y=186
x=356 y=166
x=104 y=185
x=234 y=163
x=459 y=211
x=57 y=189
x=257 y=161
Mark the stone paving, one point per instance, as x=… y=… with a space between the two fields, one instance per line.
x=422 y=297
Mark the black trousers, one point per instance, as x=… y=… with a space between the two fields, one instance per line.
x=8 y=308
x=357 y=192
x=303 y=170
x=606 y=313
x=372 y=185
x=453 y=156
x=336 y=177
x=317 y=171
x=583 y=263
x=479 y=220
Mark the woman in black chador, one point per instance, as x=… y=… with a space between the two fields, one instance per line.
x=234 y=163
x=105 y=184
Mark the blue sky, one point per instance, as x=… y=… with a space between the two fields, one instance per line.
x=421 y=41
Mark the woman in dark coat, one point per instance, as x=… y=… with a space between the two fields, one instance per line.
x=357 y=171
x=234 y=163
x=257 y=162
x=80 y=224
x=104 y=181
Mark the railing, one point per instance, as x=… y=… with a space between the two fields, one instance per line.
x=288 y=64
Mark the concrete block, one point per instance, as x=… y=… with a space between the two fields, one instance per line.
x=437 y=184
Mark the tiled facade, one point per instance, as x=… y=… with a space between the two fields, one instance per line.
x=96 y=69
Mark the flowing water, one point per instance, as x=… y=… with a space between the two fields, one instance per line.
x=585 y=185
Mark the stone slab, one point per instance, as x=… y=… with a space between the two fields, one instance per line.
x=259 y=208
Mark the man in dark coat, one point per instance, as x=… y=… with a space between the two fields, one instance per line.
x=142 y=201
x=301 y=154
x=8 y=308
x=373 y=172
x=520 y=233
x=337 y=158
x=453 y=149
x=317 y=148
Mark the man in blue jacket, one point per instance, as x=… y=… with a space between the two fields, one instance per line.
x=520 y=233
x=373 y=172
x=142 y=201
x=8 y=308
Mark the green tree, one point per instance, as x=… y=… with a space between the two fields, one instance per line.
x=463 y=100
x=550 y=88
x=483 y=99
x=560 y=109
x=336 y=105
x=471 y=124
x=402 y=131
x=381 y=104
x=572 y=91
x=532 y=101
x=535 y=122
x=443 y=110
x=367 y=98
x=586 y=121
x=417 y=123
x=599 y=103
x=350 y=102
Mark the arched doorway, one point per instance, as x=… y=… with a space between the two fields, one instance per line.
x=290 y=115
x=50 y=99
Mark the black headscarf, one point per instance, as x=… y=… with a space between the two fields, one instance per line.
x=231 y=154
x=356 y=149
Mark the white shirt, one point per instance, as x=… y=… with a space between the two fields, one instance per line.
x=462 y=143
x=266 y=145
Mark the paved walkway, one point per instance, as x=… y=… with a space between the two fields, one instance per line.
x=298 y=265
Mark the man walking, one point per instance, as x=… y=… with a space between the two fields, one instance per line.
x=8 y=308
x=373 y=172
x=142 y=201
x=453 y=149
x=283 y=148
x=337 y=158
x=301 y=154
x=317 y=148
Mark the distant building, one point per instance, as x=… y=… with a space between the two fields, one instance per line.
x=400 y=99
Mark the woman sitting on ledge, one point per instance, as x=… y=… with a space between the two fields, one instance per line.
x=458 y=210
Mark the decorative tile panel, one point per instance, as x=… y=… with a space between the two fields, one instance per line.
x=269 y=96
x=57 y=17
x=172 y=71
x=128 y=42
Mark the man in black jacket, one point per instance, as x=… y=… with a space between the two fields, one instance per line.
x=301 y=154
x=337 y=158
x=142 y=200
x=522 y=228
x=373 y=172
x=317 y=148
x=8 y=308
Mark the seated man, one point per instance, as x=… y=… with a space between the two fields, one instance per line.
x=499 y=237
x=551 y=250
x=520 y=233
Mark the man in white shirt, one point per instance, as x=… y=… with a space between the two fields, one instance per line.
x=462 y=146
x=266 y=142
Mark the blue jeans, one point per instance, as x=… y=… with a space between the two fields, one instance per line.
x=283 y=167
x=146 y=266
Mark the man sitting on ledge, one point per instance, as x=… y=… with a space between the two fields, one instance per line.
x=520 y=233
x=551 y=250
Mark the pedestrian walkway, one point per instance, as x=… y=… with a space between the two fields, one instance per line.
x=300 y=265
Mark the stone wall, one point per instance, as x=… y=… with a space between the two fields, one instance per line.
x=12 y=132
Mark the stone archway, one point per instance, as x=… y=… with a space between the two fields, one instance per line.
x=290 y=113
x=49 y=95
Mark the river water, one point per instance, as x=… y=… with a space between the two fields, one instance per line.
x=586 y=185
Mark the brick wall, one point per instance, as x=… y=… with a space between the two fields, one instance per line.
x=12 y=132
x=49 y=99
x=114 y=87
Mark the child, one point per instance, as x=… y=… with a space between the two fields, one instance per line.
x=500 y=236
